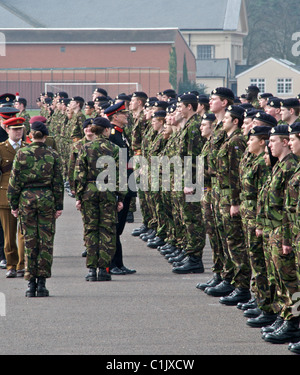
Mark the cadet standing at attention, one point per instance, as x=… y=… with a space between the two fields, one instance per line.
x=35 y=194
x=99 y=204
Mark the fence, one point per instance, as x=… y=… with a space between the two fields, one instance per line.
x=29 y=83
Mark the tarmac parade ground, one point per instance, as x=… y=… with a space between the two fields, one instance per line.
x=151 y=313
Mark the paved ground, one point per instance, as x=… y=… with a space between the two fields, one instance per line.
x=152 y=312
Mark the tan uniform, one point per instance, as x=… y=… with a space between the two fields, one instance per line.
x=14 y=253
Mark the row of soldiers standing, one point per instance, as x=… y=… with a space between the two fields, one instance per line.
x=247 y=210
x=250 y=207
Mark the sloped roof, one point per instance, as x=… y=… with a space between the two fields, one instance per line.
x=89 y=36
x=213 y=68
x=185 y=15
x=286 y=63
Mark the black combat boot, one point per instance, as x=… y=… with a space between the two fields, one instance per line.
x=31 y=291
x=41 y=288
x=192 y=265
x=92 y=275
x=103 y=275
x=214 y=281
x=288 y=332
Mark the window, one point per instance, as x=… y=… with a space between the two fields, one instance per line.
x=284 y=86
x=260 y=83
x=62 y=49
x=205 y=52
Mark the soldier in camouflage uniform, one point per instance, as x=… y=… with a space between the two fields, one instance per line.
x=175 y=246
x=227 y=167
x=35 y=194
x=283 y=259
x=273 y=108
x=21 y=105
x=253 y=178
x=78 y=118
x=292 y=210
x=99 y=204
x=220 y=99
x=76 y=147
x=156 y=147
x=215 y=243
x=190 y=145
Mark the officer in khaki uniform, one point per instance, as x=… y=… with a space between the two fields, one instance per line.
x=14 y=254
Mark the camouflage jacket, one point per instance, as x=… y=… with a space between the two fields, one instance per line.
x=227 y=166
x=87 y=168
x=275 y=195
x=26 y=116
x=253 y=176
x=76 y=147
x=215 y=142
x=290 y=221
x=137 y=134
x=76 y=126
x=190 y=144
x=36 y=166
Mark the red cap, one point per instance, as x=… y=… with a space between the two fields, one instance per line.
x=14 y=122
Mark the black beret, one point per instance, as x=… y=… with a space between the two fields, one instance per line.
x=169 y=92
x=161 y=104
x=78 y=99
x=101 y=121
x=209 y=117
x=101 y=99
x=87 y=122
x=203 y=99
x=63 y=94
x=246 y=106
x=124 y=97
x=252 y=88
x=274 y=102
x=280 y=130
x=188 y=98
x=90 y=103
x=22 y=101
x=259 y=130
x=140 y=94
x=112 y=109
x=65 y=101
x=266 y=118
x=104 y=105
x=236 y=110
x=251 y=113
x=171 y=108
x=39 y=126
x=290 y=103
x=294 y=128
x=224 y=92
x=159 y=114
x=265 y=95
x=101 y=91
x=48 y=101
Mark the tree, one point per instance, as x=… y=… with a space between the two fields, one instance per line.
x=272 y=24
x=173 y=68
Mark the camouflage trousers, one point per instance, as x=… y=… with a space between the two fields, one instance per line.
x=259 y=281
x=179 y=227
x=100 y=218
x=190 y=215
x=213 y=235
x=236 y=245
x=167 y=220
x=146 y=214
x=285 y=273
x=36 y=211
x=224 y=262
